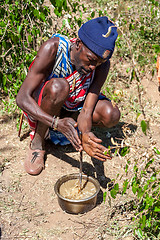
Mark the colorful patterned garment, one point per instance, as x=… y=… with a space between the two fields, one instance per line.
x=79 y=85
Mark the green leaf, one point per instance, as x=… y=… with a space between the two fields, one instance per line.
x=128 y=69
x=148 y=222
x=100 y=13
x=92 y=14
x=157 y=209
x=36 y=13
x=135 y=168
x=143 y=221
x=116 y=187
x=140 y=192
x=124 y=151
x=144 y=126
x=104 y=196
x=19 y=28
x=145 y=187
x=4 y=80
x=125 y=185
x=105 y=152
x=10 y=77
x=156 y=47
x=29 y=38
x=132 y=75
x=149 y=163
x=113 y=193
x=42 y=16
x=156 y=151
x=126 y=168
x=139 y=233
x=134 y=188
x=2 y=24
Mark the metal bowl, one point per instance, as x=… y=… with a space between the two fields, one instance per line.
x=80 y=205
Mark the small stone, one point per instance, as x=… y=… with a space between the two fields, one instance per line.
x=108 y=134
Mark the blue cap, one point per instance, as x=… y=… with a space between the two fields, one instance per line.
x=99 y=35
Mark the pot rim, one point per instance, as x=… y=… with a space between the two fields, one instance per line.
x=97 y=186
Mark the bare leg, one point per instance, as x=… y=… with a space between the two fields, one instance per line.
x=105 y=114
x=54 y=95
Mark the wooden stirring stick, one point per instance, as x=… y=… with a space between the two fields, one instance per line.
x=20 y=124
x=80 y=170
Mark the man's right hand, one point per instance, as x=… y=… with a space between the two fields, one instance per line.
x=67 y=127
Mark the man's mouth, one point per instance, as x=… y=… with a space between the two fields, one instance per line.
x=84 y=71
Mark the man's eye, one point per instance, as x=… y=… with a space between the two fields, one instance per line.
x=92 y=62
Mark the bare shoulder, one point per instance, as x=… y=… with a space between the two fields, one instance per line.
x=46 y=56
x=49 y=47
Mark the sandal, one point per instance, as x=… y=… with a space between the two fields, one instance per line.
x=34 y=163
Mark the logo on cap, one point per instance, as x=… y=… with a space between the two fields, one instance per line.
x=109 y=32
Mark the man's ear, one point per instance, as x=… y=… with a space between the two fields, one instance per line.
x=78 y=43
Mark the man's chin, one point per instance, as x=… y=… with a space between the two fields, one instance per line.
x=82 y=72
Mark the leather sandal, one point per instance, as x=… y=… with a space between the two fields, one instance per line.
x=34 y=163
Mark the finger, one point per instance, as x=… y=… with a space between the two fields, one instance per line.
x=76 y=146
x=102 y=157
x=98 y=147
x=75 y=133
x=99 y=158
x=76 y=125
x=77 y=143
x=74 y=140
x=102 y=154
x=80 y=149
x=94 y=138
x=78 y=138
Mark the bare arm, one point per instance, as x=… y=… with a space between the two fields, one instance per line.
x=40 y=70
x=92 y=144
x=92 y=97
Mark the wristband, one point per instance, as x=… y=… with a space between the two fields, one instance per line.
x=56 y=123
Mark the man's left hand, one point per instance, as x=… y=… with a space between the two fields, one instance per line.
x=92 y=145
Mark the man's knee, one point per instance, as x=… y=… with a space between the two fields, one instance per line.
x=115 y=115
x=110 y=115
x=57 y=89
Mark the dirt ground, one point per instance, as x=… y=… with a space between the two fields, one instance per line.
x=29 y=206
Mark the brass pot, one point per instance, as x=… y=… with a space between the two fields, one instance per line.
x=80 y=205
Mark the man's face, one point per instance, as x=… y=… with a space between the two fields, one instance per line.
x=86 y=61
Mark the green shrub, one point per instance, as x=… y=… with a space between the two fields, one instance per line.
x=23 y=26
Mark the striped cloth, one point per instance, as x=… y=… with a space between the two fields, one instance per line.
x=63 y=68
